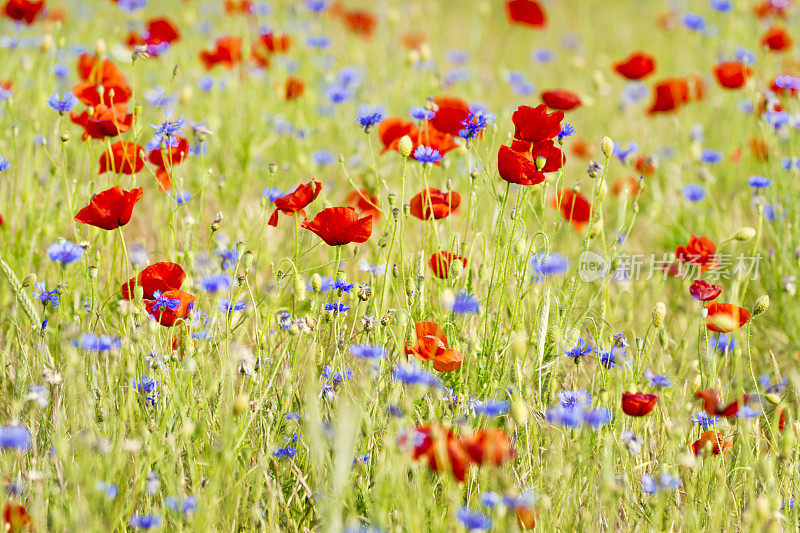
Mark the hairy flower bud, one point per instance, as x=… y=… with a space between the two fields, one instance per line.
x=316 y=283
x=658 y=314
x=405 y=145
x=299 y=287
x=761 y=305
x=607 y=146
x=745 y=234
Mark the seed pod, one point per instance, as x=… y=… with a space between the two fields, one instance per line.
x=247 y=260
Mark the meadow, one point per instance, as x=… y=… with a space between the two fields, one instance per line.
x=311 y=265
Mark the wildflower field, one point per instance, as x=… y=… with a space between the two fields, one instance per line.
x=311 y=265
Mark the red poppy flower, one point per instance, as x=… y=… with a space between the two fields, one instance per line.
x=451 y=112
x=15 y=518
x=392 y=129
x=712 y=438
x=669 y=95
x=104 y=121
x=534 y=124
x=110 y=209
x=490 y=445
x=638 y=403
x=166 y=159
x=645 y=165
x=296 y=201
x=561 y=99
x=360 y=22
x=162 y=277
x=441 y=450
x=724 y=318
x=340 y=225
x=294 y=88
x=268 y=44
x=711 y=404
x=233 y=7
x=527 y=517
x=23 y=10
x=114 y=92
x=574 y=207
x=732 y=74
x=636 y=66
x=699 y=251
x=170 y=307
x=432 y=345
x=365 y=203
x=440 y=263
x=125 y=158
x=776 y=39
x=227 y=52
x=103 y=72
x=526 y=12
x=768 y=8
x=413 y=40
x=160 y=31
x=517 y=167
x=433 y=203
x=704 y=291
x=629 y=186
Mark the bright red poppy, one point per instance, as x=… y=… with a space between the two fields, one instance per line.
x=561 y=99
x=227 y=52
x=724 y=318
x=91 y=94
x=638 y=403
x=392 y=129
x=441 y=450
x=365 y=203
x=574 y=207
x=160 y=31
x=23 y=10
x=770 y=8
x=526 y=12
x=636 y=66
x=294 y=88
x=433 y=203
x=700 y=251
x=629 y=186
x=713 y=439
x=244 y=7
x=15 y=519
x=340 y=225
x=704 y=290
x=534 y=124
x=360 y=22
x=440 y=263
x=296 y=201
x=170 y=307
x=732 y=74
x=490 y=445
x=165 y=159
x=669 y=95
x=110 y=209
x=104 y=121
x=713 y=406
x=432 y=346
x=162 y=277
x=776 y=39
x=450 y=113
x=124 y=158
x=645 y=165
x=518 y=167
x=268 y=44
x=96 y=72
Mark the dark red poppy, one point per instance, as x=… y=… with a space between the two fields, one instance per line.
x=340 y=225
x=669 y=95
x=23 y=10
x=526 y=12
x=450 y=113
x=295 y=201
x=432 y=346
x=15 y=519
x=561 y=99
x=294 y=88
x=162 y=277
x=638 y=403
x=704 y=291
x=360 y=22
x=574 y=207
x=441 y=260
x=365 y=203
x=114 y=92
x=392 y=129
x=123 y=158
x=712 y=404
x=724 y=318
x=104 y=121
x=636 y=66
x=699 y=251
x=227 y=52
x=710 y=438
x=490 y=445
x=165 y=159
x=534 y=124
x=732 y=74
x=170 y=307
x=776 y=39
x=110 y=209
x=433 y=203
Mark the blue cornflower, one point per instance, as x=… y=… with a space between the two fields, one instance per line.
x=187 y=506
x=623 y=154
x=490 y=499
x=543 y=55
x=293 y=416
x=109 y=490
x=182 y=197
x=147 y=388
x=164 y=302
x=45 y=296
x=272 y=193
x=229 y=257
x=375 y=270
x=456 y=75
x=759 y=182
x=723 y=6
x=744 y=56
x=490 y=407
x=702 y=419
x=694 y=22
x=609 y=359
x=657 y=380
x=206 y=83
x=551 y=264
x=318 y=41
x=287 y=452
x=337 y=93
x=343 y=286
x=581 y=348
x=748 y=412
x=465 y=303
x=360 y=459
x=710 y=156
x=420 y=113
x=764 y=381
x=665 y=481
x=649 y=484
x=722 y=343
x=61 y=71
x=323 y=157
x=337 y=376
x=94 y=343
x=216 y=283
x=5 y=94
x=426 y=154
x=144 y=521
x=337 y=307
x=348 y=77
x=787 y=81
x=368 y=117
x=64 y=252
x=473 y=520
x=367 y=351
x=62 y=104
x=169 y=128
x=574 y=398
x=694 y=192
x=15 y=437
x=475 y=123
x=132 y=5
x=316 y=6
x=226 y=306
x=634 y=92
x=411 y=374
x=567 y=130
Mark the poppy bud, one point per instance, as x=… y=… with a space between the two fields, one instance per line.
x=65 y=137
x=396 y=213
x=596 y=228
x=391 y=197
x=607 y=146
x=406 y=209
x=241 y=404
x=745 y=234
x=247 y=260
x=572 y=337
x=519 y=411
x=456 y=269
x=92 y=272
x=138 y=293
x=273 y=168
x=137 y=109
x=788 y=440
x=29 y=280
x=239 y=249
x=47 y=43
x=411 y=287
x=316 y=283
x=540 y=163
x=405 y=145
x=299 y=287
x=520 y=246
x=658 y=314
x=761 y=305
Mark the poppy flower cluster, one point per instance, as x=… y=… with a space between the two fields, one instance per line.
x=713 y=406
x=574 y=208
x=636 y=66
x=712 y=440
x=105 y=92
x=526 y=13
x=161 y=292
x=122 y=157
x=444 y=451
x=732 y=74
x=267 y=45
x=358 y=21
x=673 y=93
x=432 y=346
x=532 y=152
